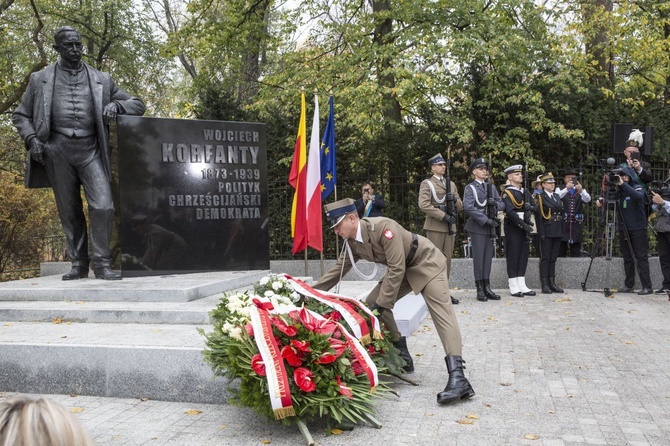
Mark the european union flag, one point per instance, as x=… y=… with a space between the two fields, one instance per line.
x=328 y=174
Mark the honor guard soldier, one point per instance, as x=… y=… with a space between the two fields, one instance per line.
x=519 y=205
x=573 y=196
x=481 y=203
x=413 y=264
x=549 y=220
x=440 y=202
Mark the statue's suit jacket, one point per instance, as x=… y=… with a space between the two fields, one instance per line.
x=388 y=243
x=33 y=115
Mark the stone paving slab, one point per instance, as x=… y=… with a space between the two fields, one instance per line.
x=571 y=369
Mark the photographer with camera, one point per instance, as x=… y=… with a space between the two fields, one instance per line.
x=370 y=204
x=640 y=170
x=632 y=230
x=573 y=197
x=661 y=205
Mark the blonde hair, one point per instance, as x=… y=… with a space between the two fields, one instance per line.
x=39 y=422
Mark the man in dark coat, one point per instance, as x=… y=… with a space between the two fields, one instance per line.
x=63 y=120
x=413 y=264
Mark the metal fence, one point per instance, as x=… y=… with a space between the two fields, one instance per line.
x=401 y=199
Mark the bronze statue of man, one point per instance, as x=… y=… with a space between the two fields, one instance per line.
x=63 y=119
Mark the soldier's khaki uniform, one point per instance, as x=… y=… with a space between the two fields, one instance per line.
x=437 y=230
x=388 y=243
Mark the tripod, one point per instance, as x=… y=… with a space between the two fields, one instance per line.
x=608 y=224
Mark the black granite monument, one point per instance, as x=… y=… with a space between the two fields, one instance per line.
x=193 y=196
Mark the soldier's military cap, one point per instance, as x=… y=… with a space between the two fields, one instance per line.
x=335 y=212
x=437 y=159
x=479 y=162
x=513 y=169
x=548 y=178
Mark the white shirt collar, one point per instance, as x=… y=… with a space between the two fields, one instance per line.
x=359 y=235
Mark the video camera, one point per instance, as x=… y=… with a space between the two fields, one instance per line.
x=661 y=188
x=614 y=175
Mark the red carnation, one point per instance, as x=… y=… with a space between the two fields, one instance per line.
x=291 y=356
x=357 y=368
x=335 y=316
x=258 y=365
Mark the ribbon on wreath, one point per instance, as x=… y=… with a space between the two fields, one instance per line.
x=277 y=378
x=344 y=306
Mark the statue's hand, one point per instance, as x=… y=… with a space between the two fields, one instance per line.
x=110 y=112
x=37 y=150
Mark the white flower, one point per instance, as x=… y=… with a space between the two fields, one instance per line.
x=268 y=293
x=264 y=280
x=236 y=333
x=295 y=296
x=277 y=286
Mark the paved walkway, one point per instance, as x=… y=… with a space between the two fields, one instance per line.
x=571 y=369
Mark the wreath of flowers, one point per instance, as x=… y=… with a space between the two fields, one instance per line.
x=330 y=374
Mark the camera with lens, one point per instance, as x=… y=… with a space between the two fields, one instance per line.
x=366 y=191
x=661 y=188
x=614 y=175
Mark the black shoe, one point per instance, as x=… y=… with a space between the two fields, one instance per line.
x=519 y=294
x=458 y=386
x=481 y=295
x=529 y=293
x=454 y=301
x=645 y=291
x=106 y=273
x=489 y=292
x=625 y=290
x=662 y=291
x=401 y=344
x=553 y=287
x=77 y=272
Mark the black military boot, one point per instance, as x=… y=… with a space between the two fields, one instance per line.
x=401 y=344
x=546 y=289
x=458 y=386
x=106 y=273
x=488 y=291
x=553 y=287
x=481 y=295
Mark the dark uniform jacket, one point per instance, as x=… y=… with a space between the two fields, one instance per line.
x=514 y=213
x=388 y=243
x=474 y=206
x=549 y=215
x=573 y=217
x=33 y=116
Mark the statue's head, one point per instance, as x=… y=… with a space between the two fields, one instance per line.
x=67 y=41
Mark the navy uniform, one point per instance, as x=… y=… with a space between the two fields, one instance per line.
x=414 y=264
x=549 y=218
x=481 y=203
x=440 y=225
x=573 y=215
x=519 y=205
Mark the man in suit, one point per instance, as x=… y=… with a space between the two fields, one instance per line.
x=63 y=120
x=414 y=264
x=481 y=203
x=434 y=201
